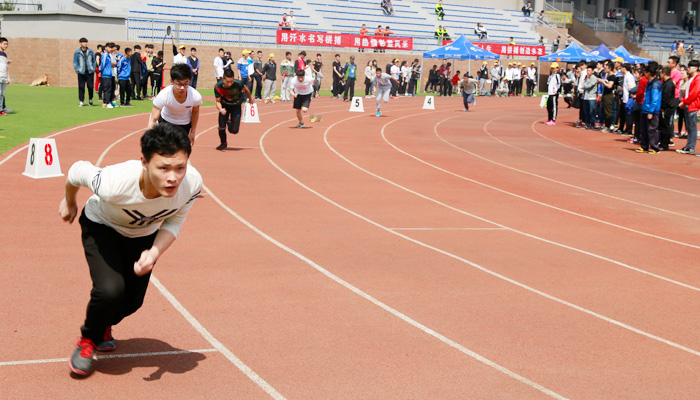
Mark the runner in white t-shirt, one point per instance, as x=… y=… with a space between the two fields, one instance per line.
x=135 y=214
x=179 y=103
x=302 y=89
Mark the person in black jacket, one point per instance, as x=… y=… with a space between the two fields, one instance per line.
x=668 y=108
x=432 y=80
x=136 y=73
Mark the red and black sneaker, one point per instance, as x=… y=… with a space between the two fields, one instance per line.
x=107 y=344
x=81 y=362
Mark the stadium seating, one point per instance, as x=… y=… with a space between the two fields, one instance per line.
x=665 y=34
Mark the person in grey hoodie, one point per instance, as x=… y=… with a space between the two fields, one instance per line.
x=590 y=93
x=84 y=66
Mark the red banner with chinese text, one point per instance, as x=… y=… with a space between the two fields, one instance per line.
x=343 y=40
x=505 y=49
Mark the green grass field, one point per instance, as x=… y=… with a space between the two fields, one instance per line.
x=41 y=110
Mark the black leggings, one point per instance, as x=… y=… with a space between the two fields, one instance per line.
x=117 y=291
x=232 y=118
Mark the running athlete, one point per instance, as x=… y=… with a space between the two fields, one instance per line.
x=382 y=84
x=302 y=89
x=179 y=103
x=135 y=214
x=230 y=94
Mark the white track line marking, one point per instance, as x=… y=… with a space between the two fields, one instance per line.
x=447 y=229
x=533 y=200
x=100 y=357
x=473 y=264
x=608 y=158
x=362 y=294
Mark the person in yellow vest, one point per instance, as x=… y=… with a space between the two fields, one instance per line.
x=439 y=11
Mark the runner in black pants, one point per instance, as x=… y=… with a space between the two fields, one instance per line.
x=230 y=95
x=135 y=214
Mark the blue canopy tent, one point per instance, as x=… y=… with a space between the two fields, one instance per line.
x=460 y=49
x=573 y=53
x=604 y=52
x=622 y=52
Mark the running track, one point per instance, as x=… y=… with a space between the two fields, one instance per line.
x=421 y=255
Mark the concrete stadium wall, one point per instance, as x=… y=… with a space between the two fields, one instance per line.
x=62 y=25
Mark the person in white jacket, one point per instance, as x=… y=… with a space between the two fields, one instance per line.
x=370 y=72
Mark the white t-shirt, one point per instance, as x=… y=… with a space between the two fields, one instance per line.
x=219 y=65
x=395 y=71
x=119 y=203
x=179 y=59
x=172 y=110
x=304 y=87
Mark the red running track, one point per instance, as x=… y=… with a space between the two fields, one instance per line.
x=423 y=254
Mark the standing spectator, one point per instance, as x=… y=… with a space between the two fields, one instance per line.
x=337 y=76
x=228 y=61
x=350 y=76
x=158 y=64
x=609 y=84
x=642 y=29
x=553 y=86
x=628 y=85
x=284 y=22
x=568 y=42
x=317 y=67
x=124 y=76
x=98 y=75
x=415 y=77
x=483 y=78
x=669 y=102
x=555 y=44
x=455 y=82
x=83 y=64
x=257 y=75
x=649 y=132
x=193 y=62
x=433 y=80
x=439 y=10
x=674 y=47
x=299 y=63
x=147 y=59
x=396 y=74
x=269 y=72
x=541 y=41
x=242 y=66
x=106 y=79
x=683 y=113
x=178 y=52
x=387 y=33
x=403 y=82
x=292 y=21
x=496 y=75
x=531 y=80
x=684 y=24
x=590 y=94
x=443 y=74
x=363 y=34
x=287 y=71
x=219 y=66
x=691 y=25
x=691 y=103
x=135 y=77
x=369 y=78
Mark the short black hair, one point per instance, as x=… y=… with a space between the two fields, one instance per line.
x=627 y=66
x=337 y=55
x=82 y=40
x=137 y=47
x=160 y=53
x=652 y=68
x=127 y=50
x=164 y=139
x=180 y=72
x=675 y=59
x=228 y=73
x=193 y=48
x=260 y=52
x=300 y=72
x=289 y=53
x=592 y=65
x=379 y=69
x=694 y=63
x=303 y=53
x=666 y=71
x=318 y=54
x=117 y=46
x=221 y=49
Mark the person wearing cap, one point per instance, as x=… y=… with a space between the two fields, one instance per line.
x=395 y=73
x=509 y=79
x=496 y=75
x=483 y=78
x=350 y=74
x=531 y=79
x=178 y=52
x=242 y=65
x=269 y=73
x=84 y=65
x=553 y=86
x=517 y=81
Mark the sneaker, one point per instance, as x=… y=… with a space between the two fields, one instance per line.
x=80 y=104
x=114 y=105
x=549 y=123
x=109 y=106
x=664 y=148
x=222 y=146
x=642 y=150
x=81 y=362
x=686 y=151
x=379 y=113
x=90 y=103
x=632 y=140
x=104 y=105
x=107 y=344
x=127 y=105
x=301 y=125
x=3 y=113
x=671 y=144
x=605 y=130
x=652 y=151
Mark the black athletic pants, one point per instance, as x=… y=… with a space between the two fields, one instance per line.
x=552 y=107
x=116 y=290
x=107 y=90
x=144 y=84
x=666 y=127
x=156 y=83
x=83 y=80
x=124 y=91
x=349 y=88
x=336 y=85
x=135 y=85
x=258 y=86
x=232 y=118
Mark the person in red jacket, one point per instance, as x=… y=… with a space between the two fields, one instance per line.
x=692 y=101
x=638 y=101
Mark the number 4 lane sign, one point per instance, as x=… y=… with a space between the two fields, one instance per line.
x=356 y=105
x=429 y=103
x=42 y=159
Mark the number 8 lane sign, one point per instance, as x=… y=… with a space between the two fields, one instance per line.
x=42 y=159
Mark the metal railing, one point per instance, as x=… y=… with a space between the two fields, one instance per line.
x=600 y=24
x=560 y=5
x=17 y=6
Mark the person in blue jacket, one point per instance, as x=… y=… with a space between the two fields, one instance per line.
x=649 y=132
x=106 y=79
x=84 y=66
x=124 y=76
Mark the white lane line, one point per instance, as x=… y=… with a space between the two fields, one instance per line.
x=475 y=265
x=364 y=295
x=106 y=356
x=447 y=229
x=608 y=158
x=215 y=343
x=679 y=242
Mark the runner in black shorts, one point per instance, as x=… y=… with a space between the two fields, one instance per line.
x=230 y=94
x=302 y=90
